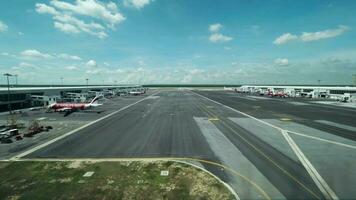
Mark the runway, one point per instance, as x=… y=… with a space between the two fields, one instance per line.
x=261 y=163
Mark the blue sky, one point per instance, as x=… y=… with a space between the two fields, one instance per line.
x=164 y=41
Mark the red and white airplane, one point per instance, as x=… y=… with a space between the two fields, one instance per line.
x=72 y=107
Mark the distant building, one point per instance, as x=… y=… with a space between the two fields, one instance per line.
x=25 y=97
x=76 y=97
x=37 y=100
x=306 y=91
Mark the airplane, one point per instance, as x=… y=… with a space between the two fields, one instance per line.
x=229 y=89
x=139 y=92
x=68 y=108
x=280 y=94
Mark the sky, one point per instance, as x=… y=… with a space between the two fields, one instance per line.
x=178 y=42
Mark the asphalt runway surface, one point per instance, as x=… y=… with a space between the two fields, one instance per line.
x=259 y=163
x=61 y=124
x=302 y=111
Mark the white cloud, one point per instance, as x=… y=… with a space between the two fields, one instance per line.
x=92 y=8
x=196 y=71
x=20 y=33
x=281 y=61
x=187 y=78
x=286 y=37
x=197 y=56
x=72 y=24
x=311 y=36
x=45 y=9
x=66 y=16
x=3 y=27
x=24 y=64
x=34 y=54
x=69 y=57
x=218 y=37
x=93 y=71
x=8 y=54
x=329 y=33
x=141 y=63
x=189 y=75
x=331 y=70
x=67 y=28
x=119 y=71
x=72 y=67
x=91 y=63
x=215 y=27
x=138 y=4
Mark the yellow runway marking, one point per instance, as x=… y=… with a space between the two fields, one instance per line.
x=213 y=119
x=285 y=119
x=264 y=155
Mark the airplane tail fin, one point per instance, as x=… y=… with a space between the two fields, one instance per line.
x=50 y=107
x=95 y=100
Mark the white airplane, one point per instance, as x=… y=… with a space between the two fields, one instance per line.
x=229 y=89
x=137 y=92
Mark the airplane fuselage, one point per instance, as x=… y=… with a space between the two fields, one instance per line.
x=72 y=106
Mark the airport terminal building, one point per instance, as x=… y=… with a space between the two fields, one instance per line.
x=24 y=97
x=303 y=91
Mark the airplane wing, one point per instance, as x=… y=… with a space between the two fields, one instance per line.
x=68 y=112
x=96 y=104
x=64 y=109
x=92 y=111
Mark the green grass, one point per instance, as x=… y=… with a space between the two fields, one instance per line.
x=111 y=180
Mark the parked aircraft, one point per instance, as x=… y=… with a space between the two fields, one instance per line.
x=68 y=108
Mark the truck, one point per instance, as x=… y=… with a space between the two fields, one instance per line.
x=346 y=97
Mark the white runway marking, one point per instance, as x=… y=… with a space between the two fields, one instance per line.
x=324 y=140
x=342 y=126
x=339 y=104
x=309 y=132
x=298 y=103
x=248 y=98
x=318 y=180
x=153 y=97
x=264 y=98
x=226 y=150
x=74 y=131
x=268 y=134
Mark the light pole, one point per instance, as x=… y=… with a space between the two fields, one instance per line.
x=87 y=82
x=62 y=81
x=8 y=92
x=16 y=78
x=143 y=79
